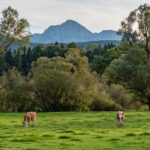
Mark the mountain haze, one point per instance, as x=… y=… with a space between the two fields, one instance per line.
x=71 y=31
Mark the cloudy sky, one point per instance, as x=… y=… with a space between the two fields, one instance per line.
x=96 y=15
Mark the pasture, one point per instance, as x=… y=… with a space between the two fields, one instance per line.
x=76 y=131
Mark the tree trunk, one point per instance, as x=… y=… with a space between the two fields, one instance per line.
x=149 y=103
x=147 y=48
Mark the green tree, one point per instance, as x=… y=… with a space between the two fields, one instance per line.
x=64 y=83
x=94 y=50
x=17 y=93
x=136 y=28
x=72 y=45
x=92 y=46
x=9 y=60
x=2 y=64
x=100 y=63
x=54 y=85
x=12 y=29
x=132 y=70
x=17 y=59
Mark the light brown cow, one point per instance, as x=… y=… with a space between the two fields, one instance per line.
x=120 y=117
x=29 y=116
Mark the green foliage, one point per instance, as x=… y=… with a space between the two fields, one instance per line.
x=92 y=47
x=122 y=98
x=104 y=102
x=132 y=71
x=63 y=83
x=16 y=94
x=141 y=34
x=60 y=80
x=72 y=45
x=12 y=29
x=53 y=84
x=100 y=63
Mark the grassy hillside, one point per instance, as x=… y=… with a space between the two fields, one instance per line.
x=76 y=131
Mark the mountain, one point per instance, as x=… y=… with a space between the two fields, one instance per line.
x=108 y=35
x=72 y=31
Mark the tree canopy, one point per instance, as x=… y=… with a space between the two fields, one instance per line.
x=12 y=29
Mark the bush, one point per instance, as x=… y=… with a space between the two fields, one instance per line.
x=104 y=102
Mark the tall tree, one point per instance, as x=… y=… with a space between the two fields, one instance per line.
x=12 y=29
x=136 y=27
x=132 y=70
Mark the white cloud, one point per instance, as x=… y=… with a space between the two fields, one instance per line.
x=96 y=15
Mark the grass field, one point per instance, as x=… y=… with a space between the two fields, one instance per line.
x=76 y=131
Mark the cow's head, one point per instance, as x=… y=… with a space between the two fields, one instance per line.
x=25 y=124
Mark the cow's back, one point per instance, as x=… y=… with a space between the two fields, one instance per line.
x=33 y=115
x=123 y=116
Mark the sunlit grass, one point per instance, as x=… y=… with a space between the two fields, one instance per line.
x=76 y=131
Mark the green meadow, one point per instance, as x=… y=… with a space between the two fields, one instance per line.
x=76 y=131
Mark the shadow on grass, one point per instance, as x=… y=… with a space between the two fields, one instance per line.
x=23 y=140
x=3 y=137
x=64 y=137
x=130 y=134
x=48 y=136
x=114 y=139
x=76 y=139
x=99 y=137
x=145 y=133
x=81 y=133
x=67 y=131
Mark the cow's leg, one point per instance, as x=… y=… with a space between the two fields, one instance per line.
x=26 y=123
x=119 y=123
x=33 y=123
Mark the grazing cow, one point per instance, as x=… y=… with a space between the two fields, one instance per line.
x=29 y=116
x=120 y=117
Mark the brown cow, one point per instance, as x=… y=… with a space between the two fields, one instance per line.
x=29 y=116
x=120 y=117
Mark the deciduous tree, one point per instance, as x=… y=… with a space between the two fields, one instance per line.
x=12 y=29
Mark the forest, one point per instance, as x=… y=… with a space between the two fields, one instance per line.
x=64 y=77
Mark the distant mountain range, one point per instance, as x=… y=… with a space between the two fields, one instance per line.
x=72 y=31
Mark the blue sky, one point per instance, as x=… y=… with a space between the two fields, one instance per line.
x=95 y=15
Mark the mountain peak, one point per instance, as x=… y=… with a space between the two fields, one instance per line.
x=70 y=21
x=72 y=24
x=64 y=26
